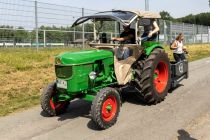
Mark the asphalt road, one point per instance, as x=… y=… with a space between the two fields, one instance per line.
x=184 y=115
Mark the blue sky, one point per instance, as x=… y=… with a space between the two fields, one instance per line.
x=177 y=8
x=21 y=12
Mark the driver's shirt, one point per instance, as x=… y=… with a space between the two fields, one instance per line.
x=130 y=32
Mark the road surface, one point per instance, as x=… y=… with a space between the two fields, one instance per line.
x=184 y=115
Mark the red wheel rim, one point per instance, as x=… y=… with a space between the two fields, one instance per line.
x=109 y=108
x=161 y=77
x=58 y=105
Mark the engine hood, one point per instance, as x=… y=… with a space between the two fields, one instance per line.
x=82 y=57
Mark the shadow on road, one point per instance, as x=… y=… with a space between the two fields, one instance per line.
x=184 y=135
x=77 y=108
x=172 y=89
x=129 y=94
x=81 y=108
x=132 y=98
x=91 y=125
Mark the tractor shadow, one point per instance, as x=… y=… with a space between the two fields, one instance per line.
x=81 y=108
x=130 y=95
x=77 y=108
x=172 y=89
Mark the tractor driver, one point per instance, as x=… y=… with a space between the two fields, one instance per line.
x=128 y=37
x=151 y=31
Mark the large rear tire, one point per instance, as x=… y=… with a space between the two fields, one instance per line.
x=153 y=80
x=105 y=108
x=49 y=103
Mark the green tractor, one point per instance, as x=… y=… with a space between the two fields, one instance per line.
x=98 y=76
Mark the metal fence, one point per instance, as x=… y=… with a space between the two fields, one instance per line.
x=33 y=24
x=193 y=33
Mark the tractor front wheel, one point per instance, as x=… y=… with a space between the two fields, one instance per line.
x=49 y=103
x=105 y=108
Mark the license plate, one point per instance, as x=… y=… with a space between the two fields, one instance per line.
x=61 y=83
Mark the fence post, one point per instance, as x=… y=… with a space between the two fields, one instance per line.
x=170 y=30
x=74 y=30
x=44 y=38
x=83 y=30
x=14 y=40
x=74 y=34
x=111 y=35
x=193 y=33
x=201 y=34
x=94 y=31
x=183 y=28
x=164 y=30
x=183 y=32
x=36 y=26
x=208 y=35
x=115 y=29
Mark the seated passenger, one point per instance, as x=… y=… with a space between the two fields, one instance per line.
x=151 y=31
x=128 y=37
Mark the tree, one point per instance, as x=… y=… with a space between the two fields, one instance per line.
x=21 y=35
x=201 y=19
x=166 y=15
x=6 y=33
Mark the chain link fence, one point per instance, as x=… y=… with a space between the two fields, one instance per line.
x=193 y=33
x=25 y=23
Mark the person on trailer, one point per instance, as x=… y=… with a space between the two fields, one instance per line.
x=151 y=31
x=127 y=37
x=179 y=49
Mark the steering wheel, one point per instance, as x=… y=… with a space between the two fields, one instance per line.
x=143 y=39
x=113 y=41
x=117 y=42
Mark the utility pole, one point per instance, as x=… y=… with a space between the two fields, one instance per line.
x=36 y=26
x=146 y=5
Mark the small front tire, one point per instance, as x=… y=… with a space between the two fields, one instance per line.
x=48 y=101
x=106 y=107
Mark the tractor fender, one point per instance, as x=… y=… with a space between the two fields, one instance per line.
x=150 y=46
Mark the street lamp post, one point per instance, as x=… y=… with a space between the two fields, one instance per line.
x=146 y=5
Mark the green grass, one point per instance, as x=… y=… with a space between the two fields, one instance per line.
x=25 y=72
x=26 y=59
x=196 y=51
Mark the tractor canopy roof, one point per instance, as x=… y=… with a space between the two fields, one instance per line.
x=126 y=17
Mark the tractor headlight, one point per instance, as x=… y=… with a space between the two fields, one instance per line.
x=92 y=75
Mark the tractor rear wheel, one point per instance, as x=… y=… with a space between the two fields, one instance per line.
x=154 y=78
x=49 y=103
x=106 y=107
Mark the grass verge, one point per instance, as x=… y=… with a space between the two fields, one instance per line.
x=23 y=74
